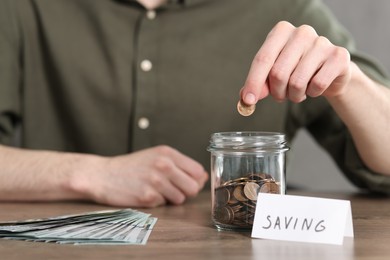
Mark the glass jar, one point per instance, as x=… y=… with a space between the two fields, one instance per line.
x=244 y=164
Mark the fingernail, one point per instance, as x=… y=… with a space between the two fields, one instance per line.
x=250 y=99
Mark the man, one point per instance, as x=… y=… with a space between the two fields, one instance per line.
x=117 y=99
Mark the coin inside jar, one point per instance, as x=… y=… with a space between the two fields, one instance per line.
x=270 y=187
x=224 y=214
x=236 y=199
x=244 y=109
x=239 y=193
x=250 y=190
x=222 y=195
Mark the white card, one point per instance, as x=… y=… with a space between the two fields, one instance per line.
x=303 y=219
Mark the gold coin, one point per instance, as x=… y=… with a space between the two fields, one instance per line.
x=239 y=193
x=270 y=187
x=222 y=196
x=250 y=190
x=236 y=208
x=224 y=215
x=244 y=109
x=230 y=189
x=241 y=179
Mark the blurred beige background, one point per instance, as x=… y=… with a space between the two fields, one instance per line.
x=369 y=23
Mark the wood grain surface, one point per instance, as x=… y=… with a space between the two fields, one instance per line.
x=186 y=232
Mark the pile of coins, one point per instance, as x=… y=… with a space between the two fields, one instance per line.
x=235 y=200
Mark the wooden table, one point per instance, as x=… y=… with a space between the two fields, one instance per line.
x=185 y=232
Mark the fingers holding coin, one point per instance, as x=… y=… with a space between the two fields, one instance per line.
x=244 y=109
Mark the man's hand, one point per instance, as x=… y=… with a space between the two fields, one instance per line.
x=294 y=63
x=148 y=178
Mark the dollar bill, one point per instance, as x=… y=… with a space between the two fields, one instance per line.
x=109 y=227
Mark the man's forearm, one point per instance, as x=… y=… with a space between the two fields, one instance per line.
x=38 y=175
x=365 y=109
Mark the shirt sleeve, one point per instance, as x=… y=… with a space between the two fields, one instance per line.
x=318 y=117
x=322 y=122
x=9 y=72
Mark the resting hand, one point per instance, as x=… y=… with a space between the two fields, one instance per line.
x=294 y=63
x=147 y=178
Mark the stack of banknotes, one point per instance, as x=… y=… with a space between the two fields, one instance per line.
x=110 y=227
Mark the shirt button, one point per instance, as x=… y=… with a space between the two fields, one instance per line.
x=146 y=65
x=151 y=14
x=143 y=123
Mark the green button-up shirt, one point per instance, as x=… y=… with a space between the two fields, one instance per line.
x=109 y=77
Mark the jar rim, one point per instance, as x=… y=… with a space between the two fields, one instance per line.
x=248 y=141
